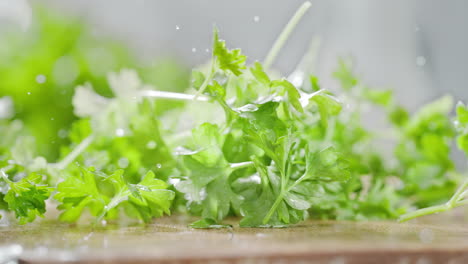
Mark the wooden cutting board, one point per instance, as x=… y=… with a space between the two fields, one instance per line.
x=169 y=240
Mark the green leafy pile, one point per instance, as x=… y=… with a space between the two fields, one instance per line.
x=239 y=142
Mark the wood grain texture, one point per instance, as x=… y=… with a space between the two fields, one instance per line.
x=169 y=240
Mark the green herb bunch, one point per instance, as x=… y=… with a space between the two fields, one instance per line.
x=242 y=142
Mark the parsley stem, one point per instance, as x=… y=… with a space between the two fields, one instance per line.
x=273 y=208
x=283 y=37
x=305 y=97
x=461 y=191
x=452 y=203
x=425 y=211
x=207 y=80
x=241 y=165
x=5 y=176
x=329 y=133
x=171 y=95
x=74 y=154
x=118 y=198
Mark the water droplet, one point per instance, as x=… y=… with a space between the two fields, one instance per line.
x=420 y=61
x=123 y=162
x=40 y=78
x=52 y=118
x=120 y=132
x=194 y=49
x=103 y=222
x=177 y=27
x=62 y=133
x=256 y=18
x=248 y=108
x=29 y=93
x=159 y=165
x=144 y=188
x=151 y=144
x=207 y=50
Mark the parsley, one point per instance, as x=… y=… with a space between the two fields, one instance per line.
x=249 y=144
x=87 y=189
x=26 y=197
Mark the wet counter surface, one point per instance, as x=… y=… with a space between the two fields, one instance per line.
x=169 y=240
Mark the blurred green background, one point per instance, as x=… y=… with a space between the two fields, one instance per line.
x=40 y=67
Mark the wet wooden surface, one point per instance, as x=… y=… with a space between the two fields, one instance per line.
x=169 y=240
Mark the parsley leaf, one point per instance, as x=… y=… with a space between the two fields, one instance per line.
x=327 y=105
x=80 y=191
x=27 y=197
x=205 y=175
x=145 y=200
x=227 y=60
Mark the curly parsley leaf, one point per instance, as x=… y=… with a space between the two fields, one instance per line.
x=227 y=60
x=291 y=91
x=461 y=123
x=80 y=191
x=259 y=74
x=147 y=199
x=27 y=197
x=345 y=75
